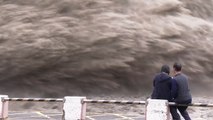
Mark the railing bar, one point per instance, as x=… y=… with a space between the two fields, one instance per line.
x=35 y=99
x=102 y=101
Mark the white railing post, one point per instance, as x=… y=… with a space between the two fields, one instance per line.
x=157 y=110
x=3 y=107
x=74 y=108
x=83 y=109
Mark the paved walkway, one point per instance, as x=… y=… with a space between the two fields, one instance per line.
x=58 y=116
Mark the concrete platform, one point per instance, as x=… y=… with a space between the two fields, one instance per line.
x=37 y=115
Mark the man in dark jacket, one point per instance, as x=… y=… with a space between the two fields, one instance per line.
x=164 y=86
x=183 y=93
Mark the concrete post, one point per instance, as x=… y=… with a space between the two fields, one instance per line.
x=74 y=109
x=3 y=107
x=157 y=110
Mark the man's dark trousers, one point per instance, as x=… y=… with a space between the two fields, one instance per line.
x=182 y=110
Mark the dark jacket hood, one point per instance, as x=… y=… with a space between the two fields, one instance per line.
x=163 y=76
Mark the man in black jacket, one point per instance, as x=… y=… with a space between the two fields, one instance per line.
x=164 y=86
x=183 y=93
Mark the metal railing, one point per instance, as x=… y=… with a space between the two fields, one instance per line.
x=102 y=101
x=35 y=99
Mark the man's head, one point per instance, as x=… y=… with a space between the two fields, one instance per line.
x=165 y=68
x=177 y=67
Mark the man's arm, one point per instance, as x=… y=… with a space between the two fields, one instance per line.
x=174 y=89
x=153 y=82
x=153 y=91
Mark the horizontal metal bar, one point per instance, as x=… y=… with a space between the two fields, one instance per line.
x=102 y=101
x=144 y=102
x=114 y=101
x=191 y=104
x=35 y=99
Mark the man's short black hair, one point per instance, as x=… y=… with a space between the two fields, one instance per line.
x=165 y=68
x=177 y=66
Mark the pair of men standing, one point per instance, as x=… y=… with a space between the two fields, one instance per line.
x=174 y=89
